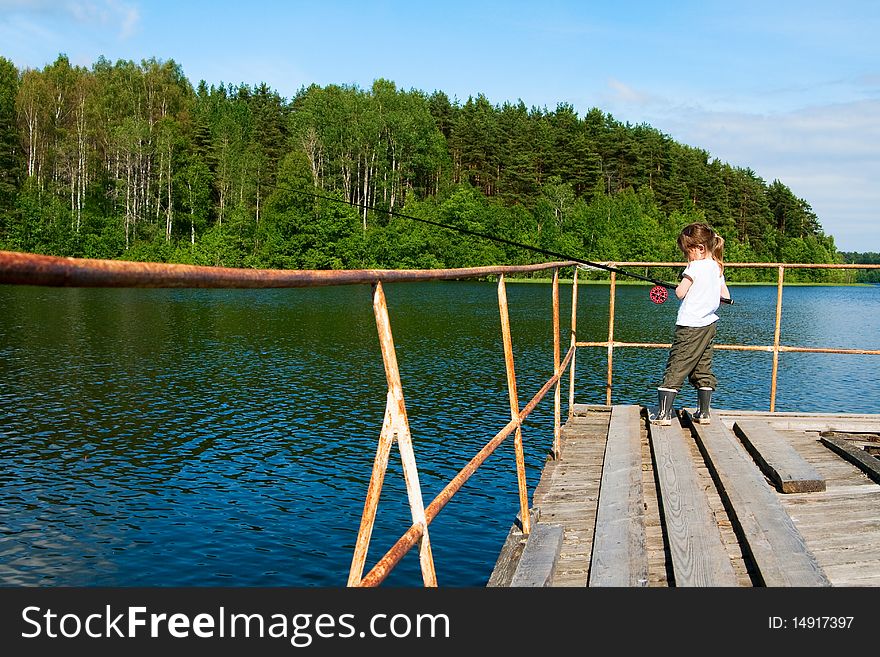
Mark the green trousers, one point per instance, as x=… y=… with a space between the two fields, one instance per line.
x=691 y=357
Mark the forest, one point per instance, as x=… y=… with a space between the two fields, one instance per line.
x=131 y=161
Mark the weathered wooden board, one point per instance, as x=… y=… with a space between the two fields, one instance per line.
x=777 y=548
x=778 y=459
x=566 y=495
x=699 y=558
x=619 y=555
x=511 y=551
x=856 y=456
x=540 y=556
x=589 y=410
x=793 y=421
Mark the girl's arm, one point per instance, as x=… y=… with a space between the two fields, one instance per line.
x=725 y=293
x=682 y=288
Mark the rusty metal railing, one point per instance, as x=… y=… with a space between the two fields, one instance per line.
x=775 y=349
x=30 y=269
x=396 y=426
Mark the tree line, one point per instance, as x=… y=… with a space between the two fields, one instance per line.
x=128 y=160
x=867 y=258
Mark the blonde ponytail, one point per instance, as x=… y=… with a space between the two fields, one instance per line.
x=718 y=251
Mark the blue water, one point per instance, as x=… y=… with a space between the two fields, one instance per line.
x=226 y=438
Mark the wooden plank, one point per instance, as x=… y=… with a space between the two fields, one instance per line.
x=835 y=513
x=855 y=577
x=580 y=410
x=863 y=493
x=619 y=556
x=793 y=421
x=858 y=457
x=568 y=494
x=777 y=458
x=698 y=556
x=777 y=548
x=658 y=555
x=511 y=551
x=540 y=556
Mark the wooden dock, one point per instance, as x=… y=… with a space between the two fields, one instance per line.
x=751 y=499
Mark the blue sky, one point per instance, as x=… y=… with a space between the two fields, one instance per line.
x=789 y=89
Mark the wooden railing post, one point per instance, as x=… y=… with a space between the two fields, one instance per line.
x=557 y=408
x=514 y=407
x=395 y=426
x=574 y=300
x=610 y=337
x=776 y=332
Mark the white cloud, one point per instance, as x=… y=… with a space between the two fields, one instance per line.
x=120 y=16
x=131 y=16
x=843 y=132
x=827 y=154
x=624 y=93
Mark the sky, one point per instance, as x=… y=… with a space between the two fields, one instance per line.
x=788 y=89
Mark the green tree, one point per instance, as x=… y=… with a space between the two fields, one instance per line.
x=10 y=154
x=194 y=181
x=474 y=143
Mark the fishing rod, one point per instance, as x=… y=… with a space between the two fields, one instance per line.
x=658 y=294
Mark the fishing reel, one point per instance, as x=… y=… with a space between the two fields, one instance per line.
x=658 y=294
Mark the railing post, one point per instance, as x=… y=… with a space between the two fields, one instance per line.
x=574 y=301
x=557 y=407
x=514 y=407
x=776 y=332
x=610 y=337
x=374 y=490
x=395 y=426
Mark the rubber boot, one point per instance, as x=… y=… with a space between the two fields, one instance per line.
x=663 y=414
x=704 y=397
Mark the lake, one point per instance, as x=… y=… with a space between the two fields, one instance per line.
x=226 y=437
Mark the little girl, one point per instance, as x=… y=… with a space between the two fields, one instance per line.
x=701 y=288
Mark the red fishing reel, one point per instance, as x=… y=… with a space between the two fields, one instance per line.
x=659 y=294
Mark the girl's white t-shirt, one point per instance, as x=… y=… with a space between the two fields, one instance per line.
x=704 y=295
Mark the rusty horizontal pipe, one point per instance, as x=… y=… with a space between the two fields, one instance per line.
x=616 y=344
x=738 y=347
x=32 y=269
x=752 y=265
x=667 y=345
x=820 y=350
x=406 y=542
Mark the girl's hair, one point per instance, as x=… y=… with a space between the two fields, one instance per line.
x=700 y=234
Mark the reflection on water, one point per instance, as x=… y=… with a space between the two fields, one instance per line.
x=218 y=437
